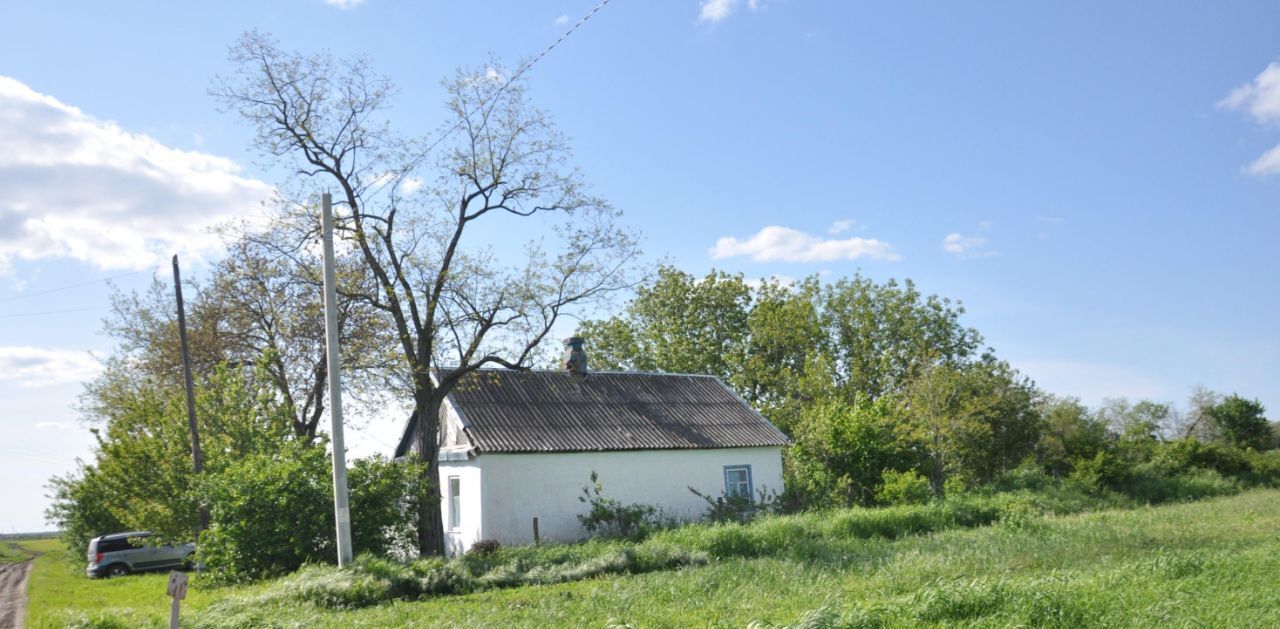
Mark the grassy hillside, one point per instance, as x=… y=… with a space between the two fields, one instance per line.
x=1206 y=563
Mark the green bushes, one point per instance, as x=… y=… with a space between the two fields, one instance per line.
x=272 y=513
x=903 y=488
x=609 y=517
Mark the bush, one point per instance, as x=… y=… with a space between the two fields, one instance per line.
x=737 y=508
x=609 y=517
x=903 y=488
x=273 y=513
x=270 y=514
x=384 y=498
x=485 y=547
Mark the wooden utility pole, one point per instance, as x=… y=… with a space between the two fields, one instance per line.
x=196 y=458
x=341 y=514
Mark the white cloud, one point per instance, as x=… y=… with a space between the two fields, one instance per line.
x=1261 y=98
x=783 y=244
x=717 y=10
x=82 y=188
x=965 y=246
x=562 y=20
x=1267 y=164
x=841 y=226
x=344 y=4
x=34 y=366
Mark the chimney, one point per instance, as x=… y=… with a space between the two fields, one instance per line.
x=575 y=358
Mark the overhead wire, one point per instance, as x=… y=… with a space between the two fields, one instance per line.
x=517 y=74
x=71 y=286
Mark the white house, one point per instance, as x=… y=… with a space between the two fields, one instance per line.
x=520 y=445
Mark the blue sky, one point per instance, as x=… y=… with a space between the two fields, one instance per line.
x=1093 y=180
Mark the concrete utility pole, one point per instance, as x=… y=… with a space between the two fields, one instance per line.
x=196 y=458
x=342 y=515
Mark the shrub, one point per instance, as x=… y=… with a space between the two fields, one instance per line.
x=270 y=514
x=903 y=488
x=384 y=501
x=610 y=517
x=737 y=508
x=485 y=547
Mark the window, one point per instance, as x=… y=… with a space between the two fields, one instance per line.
x=737 y=481
x=455 y=503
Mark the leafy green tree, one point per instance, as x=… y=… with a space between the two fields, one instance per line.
x=678 y=324
x=841 y=451
x=1242 y=423
x=141 y=477
x=884 y=335
x=1070 y=433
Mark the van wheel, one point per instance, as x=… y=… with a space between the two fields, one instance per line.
x=189 y=563
x=117 y=570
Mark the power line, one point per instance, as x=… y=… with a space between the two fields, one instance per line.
x=517 y=74
x=71 y=286
x=50 y=312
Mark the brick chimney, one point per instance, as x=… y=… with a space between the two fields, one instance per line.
x=575 y=358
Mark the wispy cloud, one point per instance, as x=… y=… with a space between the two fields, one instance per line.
x=841 y=226
x=964 y=246
x=783 y=244
x=562 y=20
x=35 y=366
x=344 y=4
x=82 y=188
x=1261 y=99
x=717 y=10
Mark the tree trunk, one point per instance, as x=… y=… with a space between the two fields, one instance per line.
x=430 y=522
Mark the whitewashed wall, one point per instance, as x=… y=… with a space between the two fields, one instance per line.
x=518 y=487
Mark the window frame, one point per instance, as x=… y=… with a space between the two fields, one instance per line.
x=455 y=502
x=750 y=484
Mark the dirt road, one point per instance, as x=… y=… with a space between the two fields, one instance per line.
x=13 y=592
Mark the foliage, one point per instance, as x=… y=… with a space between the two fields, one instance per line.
x=273 y=512
x=903 y=488
x=485 y=547
x=724 y=508
x=609 y=517
x=1242 y=423
x=840 y=451
x=1070 y=432
x=270 y=514
x=142 y=477
x=384 y=497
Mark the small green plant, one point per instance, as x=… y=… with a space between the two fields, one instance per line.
x=901 y=488
x=610 y=517
x=725 y=508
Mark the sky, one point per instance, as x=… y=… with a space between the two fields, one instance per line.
x=1097 y=182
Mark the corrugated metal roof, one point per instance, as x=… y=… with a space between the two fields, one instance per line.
x=557 y=411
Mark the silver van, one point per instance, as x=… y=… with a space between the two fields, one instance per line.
x=119 y=554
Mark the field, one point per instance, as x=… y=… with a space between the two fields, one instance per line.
x=1207 y=563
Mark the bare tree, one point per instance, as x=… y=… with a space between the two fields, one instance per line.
x=456 y=305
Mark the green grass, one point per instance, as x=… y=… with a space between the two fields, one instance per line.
x=1208 y=563
x=10 y=552
x=59 y=594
